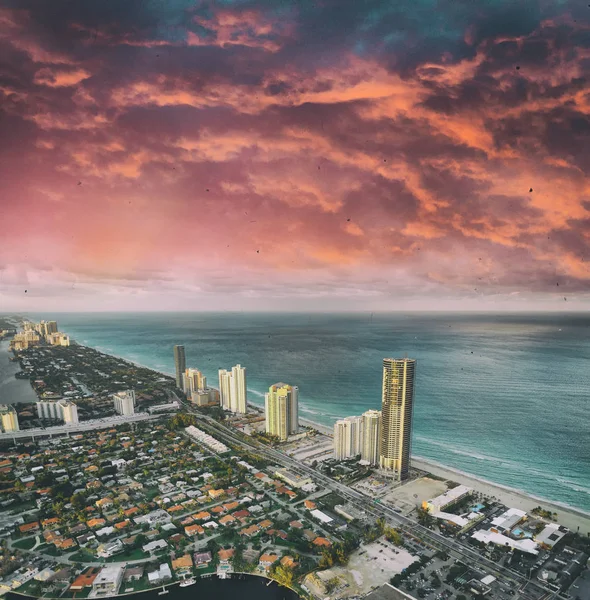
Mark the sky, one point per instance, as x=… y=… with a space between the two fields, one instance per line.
x=282 y=155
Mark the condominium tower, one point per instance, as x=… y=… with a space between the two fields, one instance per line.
x=8 y=419
x=371 y=439
x=180 y=364
x=232 y=389
x=69 y=411
x=348 y=437
x=62 y=410
x=124 y=403
x=281 y=404
x=193 y=380
x=396 y=415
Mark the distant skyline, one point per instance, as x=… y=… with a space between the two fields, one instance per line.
x=259 y=155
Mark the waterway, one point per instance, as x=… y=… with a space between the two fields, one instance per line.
x=12 y=390
x=248 y=587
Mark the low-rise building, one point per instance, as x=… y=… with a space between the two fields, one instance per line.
x=108 y=581
x=450 y=497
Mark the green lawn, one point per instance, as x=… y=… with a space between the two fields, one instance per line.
x=136 y=554
x=25 y=543
x=84 y=556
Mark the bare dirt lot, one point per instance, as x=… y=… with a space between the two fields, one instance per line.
x=370 y=566
x=407 y=496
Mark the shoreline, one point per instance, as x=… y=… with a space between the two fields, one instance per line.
x=574 y=515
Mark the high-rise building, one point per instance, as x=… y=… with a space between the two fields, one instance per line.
x=58 y=339
x=348 y=437
x=49 y=409
x=124 y=403
x=238 y=390
x=371 y=444
x=232 y=389
x=396 y=415
x=8 y=418
x=281 y=404
x=224 y=388
x=69 y=412
x=180 y=364
x=193 y=380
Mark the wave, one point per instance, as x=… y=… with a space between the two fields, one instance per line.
x=573 y=485
x=508 y=488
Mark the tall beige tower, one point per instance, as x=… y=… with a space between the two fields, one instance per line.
x=371 y=442
x=348 y=437
x=396 y=415
x=233 y=390
x=281 y=405
x=8 y=419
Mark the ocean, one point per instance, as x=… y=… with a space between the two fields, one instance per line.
x=503 y=397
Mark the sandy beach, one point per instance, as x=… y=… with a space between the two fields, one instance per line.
x=569 y=517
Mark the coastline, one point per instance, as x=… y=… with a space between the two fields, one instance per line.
x=569 y=516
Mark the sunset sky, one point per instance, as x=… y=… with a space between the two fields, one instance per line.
x=313 y=155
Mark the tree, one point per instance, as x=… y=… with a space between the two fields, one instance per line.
x=283 y=575
x=326 y=560
x=394 y=536
x=424 y=517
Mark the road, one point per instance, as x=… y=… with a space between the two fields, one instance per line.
x=528 y=589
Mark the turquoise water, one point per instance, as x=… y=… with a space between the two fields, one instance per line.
x=505 y=398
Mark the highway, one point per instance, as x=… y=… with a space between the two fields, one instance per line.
x=533 y=591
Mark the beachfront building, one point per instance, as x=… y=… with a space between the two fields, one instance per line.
x=58 y=339
x=450 y=497
x=348 y=437
x=180 y=364
x=8 y=418
x=371 y=437
x=396 y=415
x=124 y=403
x=193 y=380
x=46 y=328
x=232 y=389
x=281 y=407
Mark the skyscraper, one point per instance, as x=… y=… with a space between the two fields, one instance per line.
x=238 y=390
x=224 y=388
x=348 y=434
x=371 y=442
x=281 y=404
x=232 y=389
x=193 y=380
x=396 y=415
x=180 y=364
